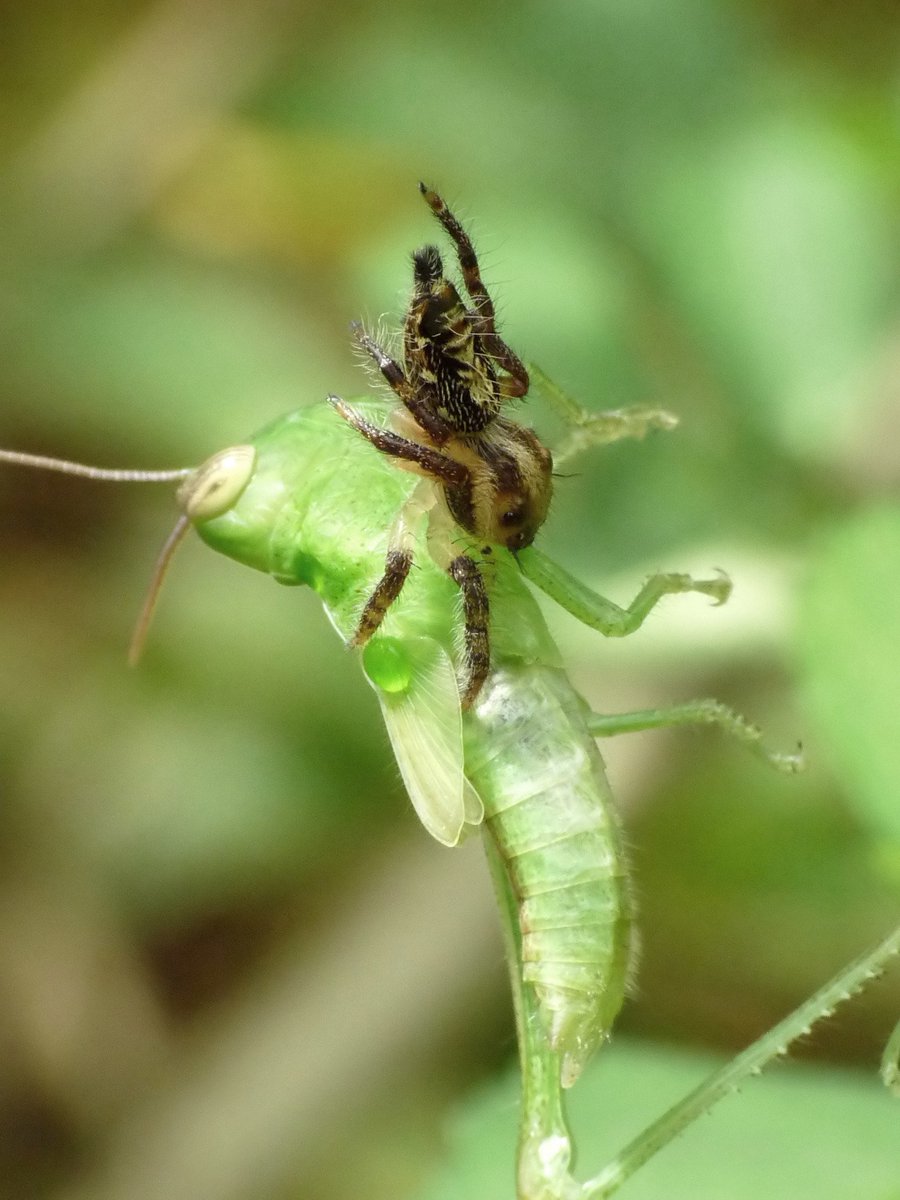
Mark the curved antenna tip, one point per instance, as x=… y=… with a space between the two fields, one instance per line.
x=160 y=570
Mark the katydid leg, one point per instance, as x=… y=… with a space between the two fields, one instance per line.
x=696 y=712
x=595 y=611
x=588 y=428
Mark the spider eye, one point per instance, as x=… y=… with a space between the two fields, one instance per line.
x=513 y=516
x=216 y=485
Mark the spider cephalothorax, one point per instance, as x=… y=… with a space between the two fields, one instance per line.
x=493 y=475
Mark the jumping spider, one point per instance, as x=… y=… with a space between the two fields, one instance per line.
x=493 y=475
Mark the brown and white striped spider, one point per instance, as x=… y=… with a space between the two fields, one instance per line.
x=493 y=475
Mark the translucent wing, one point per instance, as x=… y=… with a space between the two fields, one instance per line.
x=419 y=697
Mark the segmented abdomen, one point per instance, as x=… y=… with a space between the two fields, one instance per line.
x=548 y=808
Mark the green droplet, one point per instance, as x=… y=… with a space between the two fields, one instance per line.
x=387 y=664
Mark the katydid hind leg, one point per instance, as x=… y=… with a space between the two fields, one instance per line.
x=697 y=712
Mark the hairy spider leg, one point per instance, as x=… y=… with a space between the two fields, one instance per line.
x=516 y=382
x=484 y=319
x=476 y=618
x=398 y=561
x=396 y=569
x=468 y=261
x=430 y=462
x=420 y=407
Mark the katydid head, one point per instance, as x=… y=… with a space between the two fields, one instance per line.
x=216 y=485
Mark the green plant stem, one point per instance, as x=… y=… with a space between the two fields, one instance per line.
x=770 y=1046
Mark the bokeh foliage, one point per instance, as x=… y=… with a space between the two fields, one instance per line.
x=689 y=203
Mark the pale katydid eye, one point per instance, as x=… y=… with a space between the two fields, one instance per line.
x=217 y=484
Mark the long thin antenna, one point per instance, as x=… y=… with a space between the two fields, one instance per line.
x=163 y=562
x=116 y=475
x=113 y=475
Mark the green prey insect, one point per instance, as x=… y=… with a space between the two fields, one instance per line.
x=485 y=726
x=521 y=762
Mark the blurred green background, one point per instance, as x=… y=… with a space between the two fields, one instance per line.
x=231 y=966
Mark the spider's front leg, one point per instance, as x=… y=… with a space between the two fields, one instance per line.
x=443 y=548
x=429 y=462
x=397 y=566
x=468 y=262
x=484 y=318
x=423 y=411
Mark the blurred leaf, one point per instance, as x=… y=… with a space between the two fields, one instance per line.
x=849 y=631
x=780 y=250
x=190 y=350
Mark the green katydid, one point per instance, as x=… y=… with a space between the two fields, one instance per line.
x=486 y=728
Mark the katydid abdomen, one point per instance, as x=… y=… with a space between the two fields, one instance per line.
x=548 y=807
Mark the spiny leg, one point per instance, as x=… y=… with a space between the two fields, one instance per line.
x=601 y=614
x=437 y=429
x=484 y=316
x=396 y=568
x=613 y=621
x=588 y=428
x=389 y=368
x=697 y=712
x=468 y=262
x=431 y=462
x=476 y=611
